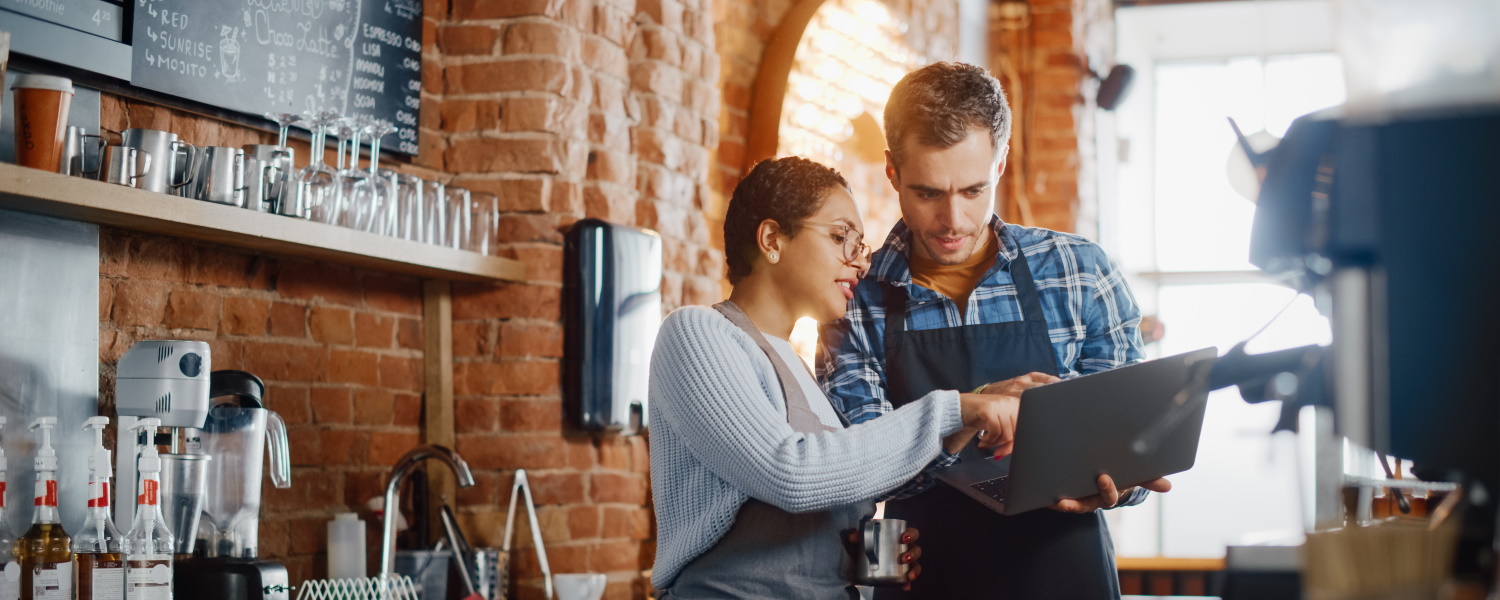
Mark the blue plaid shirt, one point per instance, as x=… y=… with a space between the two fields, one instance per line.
x=1092 y=318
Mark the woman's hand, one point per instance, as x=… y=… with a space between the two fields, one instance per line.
x=995 y=414
x=913 y=552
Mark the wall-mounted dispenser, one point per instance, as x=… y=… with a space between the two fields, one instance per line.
x=611 y=311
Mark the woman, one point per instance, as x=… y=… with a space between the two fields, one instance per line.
x=756 y=475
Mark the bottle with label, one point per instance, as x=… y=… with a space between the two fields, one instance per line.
x=148 y=546
x=101 y=560
x=10 y=570
x=46 y=551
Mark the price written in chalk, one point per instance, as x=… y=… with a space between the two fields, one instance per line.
x=348 y=56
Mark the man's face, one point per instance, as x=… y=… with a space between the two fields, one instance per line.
x=948 y=194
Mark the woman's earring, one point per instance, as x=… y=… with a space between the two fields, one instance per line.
x=773 y=258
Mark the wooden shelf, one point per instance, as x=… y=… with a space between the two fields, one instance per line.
x=1125 y=563
x=34 y=191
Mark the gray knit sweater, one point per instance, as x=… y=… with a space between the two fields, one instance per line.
x=719 y=436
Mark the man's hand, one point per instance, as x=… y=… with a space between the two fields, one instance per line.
x=1015 y=385
x=1108 y=496
x=993 y=410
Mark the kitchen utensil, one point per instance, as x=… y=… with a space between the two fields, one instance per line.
x=268 y=176
x=218 y=175
x=126 y=166
x=183 y=492
x=456 y=541
x=75 y=153
x=879 y=560
x=521 y=486
x=173 y=156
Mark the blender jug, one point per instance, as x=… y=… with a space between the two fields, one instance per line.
x=235 y=434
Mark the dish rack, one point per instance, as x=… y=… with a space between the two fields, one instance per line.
x=489 y=568
x=397 y=587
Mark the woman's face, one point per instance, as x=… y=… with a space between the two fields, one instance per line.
x=814 y=271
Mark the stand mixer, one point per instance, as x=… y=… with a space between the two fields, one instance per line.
x=235 y=436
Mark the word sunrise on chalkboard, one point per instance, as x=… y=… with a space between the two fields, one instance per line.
x=290 y=56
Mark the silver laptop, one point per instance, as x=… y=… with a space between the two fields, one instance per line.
x=1136 y=423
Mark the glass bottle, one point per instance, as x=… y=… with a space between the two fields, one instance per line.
x=46 y=550
x=10 y=569
x=99 y=545
x=148 y=546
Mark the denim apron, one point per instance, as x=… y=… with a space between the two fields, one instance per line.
x=968 y=550
x=771 y=554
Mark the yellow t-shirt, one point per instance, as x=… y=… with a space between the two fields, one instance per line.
x=955 y=281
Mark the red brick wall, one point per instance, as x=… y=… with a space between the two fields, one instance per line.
x=1040 y=51
x=633 y=111
x=339 y=349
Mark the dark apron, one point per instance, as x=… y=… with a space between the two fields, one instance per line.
x=771 y=554
x=969 y=551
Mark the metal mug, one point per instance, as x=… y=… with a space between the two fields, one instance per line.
x=75 y=153
x=166 y=148
x=268 y=177
x=218 y=176
x=879 y=560
x=125 y=165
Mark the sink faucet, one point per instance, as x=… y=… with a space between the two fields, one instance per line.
x=404 y=468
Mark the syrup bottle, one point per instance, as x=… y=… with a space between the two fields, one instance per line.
x=46 y=551
x=99 y=544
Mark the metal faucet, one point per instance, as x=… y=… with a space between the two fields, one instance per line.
x=404 y=468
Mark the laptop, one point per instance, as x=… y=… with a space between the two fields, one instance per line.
x=1136 y=423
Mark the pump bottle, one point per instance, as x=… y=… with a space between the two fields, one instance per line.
x=99 y=545
x=10 y=570
x=148 y=546
x=46 y=551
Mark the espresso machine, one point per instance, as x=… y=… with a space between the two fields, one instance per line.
x=235 y=437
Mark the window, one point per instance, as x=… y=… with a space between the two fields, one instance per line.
x=1181 y=232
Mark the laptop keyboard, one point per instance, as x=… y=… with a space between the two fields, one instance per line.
x=994 y=488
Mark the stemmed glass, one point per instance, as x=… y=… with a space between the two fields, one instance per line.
x=283 y=121
x=355 y=190
x=317 y=183
x=383 y=181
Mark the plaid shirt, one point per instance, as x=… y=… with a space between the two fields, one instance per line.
x=1092 y=318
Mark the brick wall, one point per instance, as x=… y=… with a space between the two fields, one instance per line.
x=633 y=111
x=1041 y=50
x=339 y=350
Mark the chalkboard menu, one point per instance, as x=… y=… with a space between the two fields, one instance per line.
x=293 y=56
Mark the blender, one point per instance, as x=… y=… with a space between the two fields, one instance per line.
x=236 y=436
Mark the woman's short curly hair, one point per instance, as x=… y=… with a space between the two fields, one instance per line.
x=786 y=190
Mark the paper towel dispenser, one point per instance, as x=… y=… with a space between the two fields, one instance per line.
x=611 y=312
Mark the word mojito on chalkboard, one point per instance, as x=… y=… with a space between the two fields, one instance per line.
x=355 y=57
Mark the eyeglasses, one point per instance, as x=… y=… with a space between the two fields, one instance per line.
x=852 y=240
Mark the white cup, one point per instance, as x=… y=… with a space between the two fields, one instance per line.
x=579 y=586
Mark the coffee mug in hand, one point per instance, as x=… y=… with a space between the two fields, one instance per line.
x=579 y=586
x=42 y=103
x=880 y=550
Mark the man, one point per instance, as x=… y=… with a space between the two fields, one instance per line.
x=957 y=299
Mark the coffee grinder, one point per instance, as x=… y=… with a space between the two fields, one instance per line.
x=235 y=437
